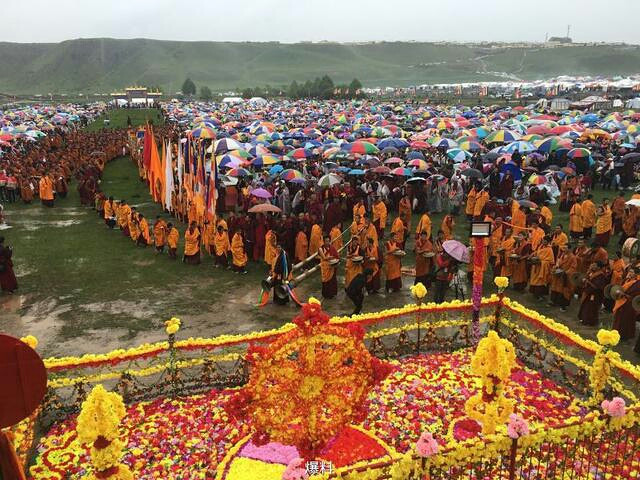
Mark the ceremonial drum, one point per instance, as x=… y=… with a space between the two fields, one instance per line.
x=429 y=254
x=399 y=253
x=631 y=248
x=334 y=261
x=357 y=259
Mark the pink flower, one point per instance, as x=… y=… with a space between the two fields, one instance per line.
x=614 y=408
x=295 y=470
x=426 y=445
x=517 y=426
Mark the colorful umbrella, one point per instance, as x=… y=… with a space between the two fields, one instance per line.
x=261 y=193
x=418 y=163
x=203 y=132
x=291 y=175
x=239 y=172
x=263 y=160
x=264 y=208
x=402 y=172
x=299 y=154
x=458 y=155
x=329 y=180
x=537 y=180
x=502 y=136
x=361 y=147
x=579 y=153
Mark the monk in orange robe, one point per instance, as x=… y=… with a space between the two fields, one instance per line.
x=537 y=235
x=373 y=261
x=369 y=231
x=302 y=247
x=575 y=221
x=315 y=242
x=481 y=200
x=624 y=315
x=424 y=264
x=46 y=190
x=588 y=212
x=447 y=225
x=336 y=238
x=172 y=240
x=561 y=288
x=238 y=255
x=404 y=212
x=520 y=274
x=503 y=259
x=159 y=234
x=424 y=225
x=559 y=239
x=541 y=270
x=617 y=269
x=270 y=243
x=328 y=270
x=518 y=218
x=208 y=237
x=192 y=244
x=604 y=225
x=471 y=202
x=547 y=214
x=353 y=267
x=134 y=231
x=393 y=265
x=221 y=247
x=144 y=238
x=357 y=226
x=398 y=231
x=358 y=209
x=379 y=216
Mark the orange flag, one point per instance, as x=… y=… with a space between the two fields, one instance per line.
x=155 y=171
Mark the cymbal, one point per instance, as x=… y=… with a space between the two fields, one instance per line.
x=615 y=291
x=607 y=291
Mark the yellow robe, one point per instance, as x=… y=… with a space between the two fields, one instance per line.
x=237 y=250
x=302 y=246
x=221 y=243
x=392 y=262
x=270 y=247
x=380 y=214
x=397 y=228
x=604 y=222
x=144 y=229
x=560 y=240
x=575 y=218
x=336 y=238
x=471 y=202
x=541 y=272
x=172 y=238
x=192 y=241
x=358 y=210
x=481 y=201
x=159 y=233
x=424 y=225
x=546 y=214
x=352 y=269
x=404 y=212
x=536 y=238
x=588 y=212
x=447 y=225
x=316 y=239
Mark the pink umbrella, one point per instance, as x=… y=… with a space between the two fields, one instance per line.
x=457 y=250
x=260 y=193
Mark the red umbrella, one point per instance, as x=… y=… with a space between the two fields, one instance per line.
x=264 y=208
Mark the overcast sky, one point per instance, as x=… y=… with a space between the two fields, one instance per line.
x=315 y=20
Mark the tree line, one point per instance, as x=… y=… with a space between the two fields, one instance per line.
x=320 y=88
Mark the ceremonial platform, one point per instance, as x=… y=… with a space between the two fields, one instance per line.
x=402 y=393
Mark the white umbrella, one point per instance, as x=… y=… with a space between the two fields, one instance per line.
x=634 y=201
x=329 y=180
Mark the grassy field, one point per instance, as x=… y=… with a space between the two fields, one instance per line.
x=85 y=288
x=118 y=118
x=102 y=65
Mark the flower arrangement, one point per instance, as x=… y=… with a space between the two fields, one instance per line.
x=419 y=291
x=30 y=340
x=427 y=445
x=608 y=338
x=295 y=470
x=600 y=370
x=492 y=361
x=616 y=408
x=172 y=325
x=517 y=426
x=98 y=425
x=501 y=283
x=316 y=377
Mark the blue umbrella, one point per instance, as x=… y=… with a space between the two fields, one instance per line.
x=392 y=142
x=275 y=169
x=590 y=118
x=355 y=171
x=512 y=168
x=414 y=155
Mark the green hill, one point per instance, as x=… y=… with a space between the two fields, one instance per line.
x=101 y=65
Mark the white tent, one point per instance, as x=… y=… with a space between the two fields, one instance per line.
x=257 y=101
x=633 y=103
x=232 y=100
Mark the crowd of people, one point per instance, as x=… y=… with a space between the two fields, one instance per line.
x=369 y=209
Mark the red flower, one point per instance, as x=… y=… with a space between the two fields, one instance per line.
x=465 y=429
